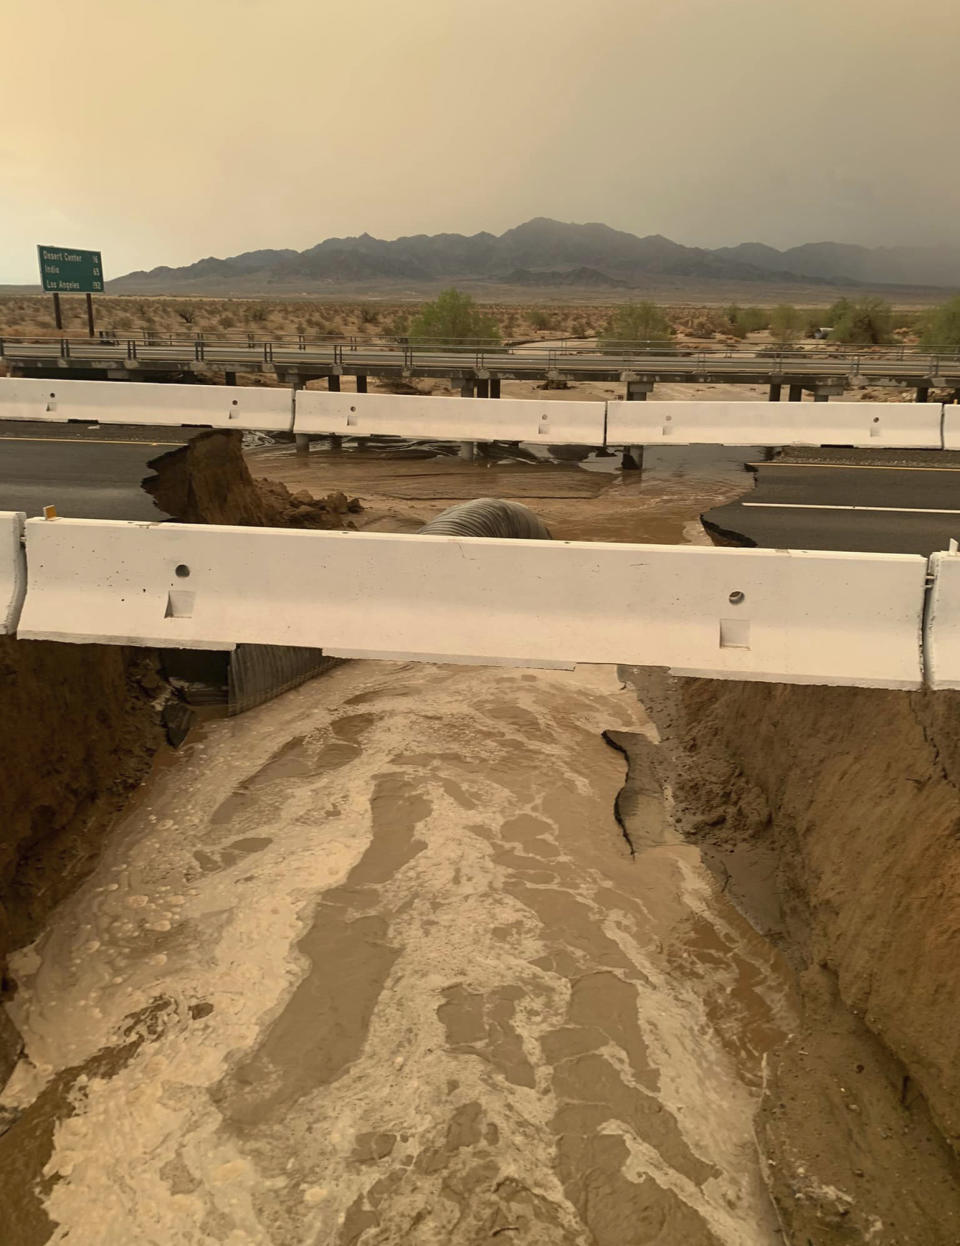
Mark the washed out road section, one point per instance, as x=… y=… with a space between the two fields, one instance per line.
x=86 y=473
x=869 y=508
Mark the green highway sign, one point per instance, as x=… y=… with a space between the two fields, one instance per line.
x=65 y=270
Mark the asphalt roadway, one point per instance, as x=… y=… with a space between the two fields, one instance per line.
x=893 y=509
x=94 y=472
x=86 y=472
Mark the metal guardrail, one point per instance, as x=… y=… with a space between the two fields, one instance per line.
x=551 y=354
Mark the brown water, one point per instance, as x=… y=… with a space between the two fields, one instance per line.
x=374 y=964
x=590 y=500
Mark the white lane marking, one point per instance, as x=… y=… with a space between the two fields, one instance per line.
x=822 y=506
x=858 y=467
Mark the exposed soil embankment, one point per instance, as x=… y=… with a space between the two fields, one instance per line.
x=207 y=481
x=77 y=732
x=833 y=816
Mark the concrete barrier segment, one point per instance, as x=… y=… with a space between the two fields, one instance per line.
x=156 y=405
x=906 y=425
x=13 y=570
x=783 y=616
x=449 y=419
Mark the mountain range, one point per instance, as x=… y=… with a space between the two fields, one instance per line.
x=546 y=253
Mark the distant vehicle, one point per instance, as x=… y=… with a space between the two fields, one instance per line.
x=823 y=333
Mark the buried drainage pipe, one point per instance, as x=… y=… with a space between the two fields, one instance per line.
x=488 y=517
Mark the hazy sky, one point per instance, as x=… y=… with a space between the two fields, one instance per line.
x=162 y=131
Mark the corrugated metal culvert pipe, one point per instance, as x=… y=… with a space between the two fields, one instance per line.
x=488 y=517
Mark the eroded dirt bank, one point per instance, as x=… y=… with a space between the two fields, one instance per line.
x=77 y=731
x=832 y=815
x=208 y=481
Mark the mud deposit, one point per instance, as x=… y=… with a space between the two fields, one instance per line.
x=580 y=498
x=375 y=964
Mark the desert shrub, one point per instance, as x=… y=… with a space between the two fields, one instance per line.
x=397 y=325
x=812 y=320
x=454 y=315
x=785 y=324
x=867 y=322
x=940 y=327
x=836 y=311
x=635 y=322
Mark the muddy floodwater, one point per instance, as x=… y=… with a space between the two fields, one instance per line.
x=581 y=494
x=374 y=964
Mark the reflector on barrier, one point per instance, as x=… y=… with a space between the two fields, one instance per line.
x=449 y=419
x=118 y=402
x=13 y=570
x=874 y=424
x=796 y=617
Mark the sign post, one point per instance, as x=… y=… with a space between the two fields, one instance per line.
x=67 y=270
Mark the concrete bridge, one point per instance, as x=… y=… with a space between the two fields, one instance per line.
x=478 y=370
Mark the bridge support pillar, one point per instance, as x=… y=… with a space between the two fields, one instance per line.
x=361 y=384
x=333 y=384
x=775 y=391
x=467 y=387
x=483 y=387
x=632 y=460
x=637 y=391
x=230 y=378
x=796 y=393
x=303 y=443
x=821 y=395
x=923 y=393
x=494 y=387
x=468 y=451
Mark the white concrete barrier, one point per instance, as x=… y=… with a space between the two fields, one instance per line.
x=901 y=424
x=804 y=617
x=450 y=419
x=130 y=402
x=13 y=570
x=941 y=632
